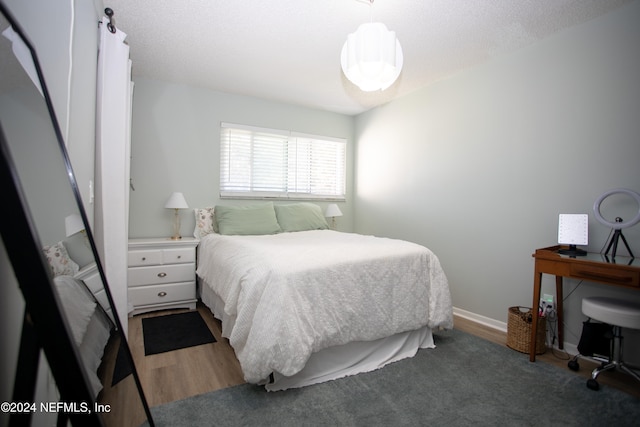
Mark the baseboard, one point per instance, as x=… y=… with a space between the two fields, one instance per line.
x=486 y=321
x=502 y=326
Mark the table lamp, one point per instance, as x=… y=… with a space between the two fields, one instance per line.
x=176 y=202
x=73 y=224
x=332 y=212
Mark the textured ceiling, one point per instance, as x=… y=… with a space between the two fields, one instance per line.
x=289 y=50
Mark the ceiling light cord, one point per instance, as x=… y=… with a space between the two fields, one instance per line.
x=370 y=4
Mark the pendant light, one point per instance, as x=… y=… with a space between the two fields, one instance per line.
x=371 y=58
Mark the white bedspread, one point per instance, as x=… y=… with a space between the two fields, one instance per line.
x=293 y=294
x=90 y=327
x=77 y=305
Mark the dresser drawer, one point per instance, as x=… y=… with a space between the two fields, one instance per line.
x=91 y=277
x=158 y=274
x=144 y=257
x=178 y=255
x=160 y=294
x=139 y=258
x=605 y=275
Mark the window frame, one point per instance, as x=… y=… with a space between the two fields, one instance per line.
x=291 y=140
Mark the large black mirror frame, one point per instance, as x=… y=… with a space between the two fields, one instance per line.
x=45 y=324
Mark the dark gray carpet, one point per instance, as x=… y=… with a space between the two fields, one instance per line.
x=464 y=381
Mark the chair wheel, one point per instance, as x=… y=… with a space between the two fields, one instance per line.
x=593 y=384
x=573 y=365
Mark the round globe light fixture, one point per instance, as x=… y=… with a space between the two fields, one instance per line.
x=371 y=58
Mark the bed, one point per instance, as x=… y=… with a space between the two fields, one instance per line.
x=89 y=324
x=303 y=304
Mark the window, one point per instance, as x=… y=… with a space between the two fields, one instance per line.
x=268 y=163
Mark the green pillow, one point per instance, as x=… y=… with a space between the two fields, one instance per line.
x=300 y=217
x=247 y=220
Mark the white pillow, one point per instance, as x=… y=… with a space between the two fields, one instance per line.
x=205 y=222
x=59 y=260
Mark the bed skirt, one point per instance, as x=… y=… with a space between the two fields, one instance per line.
x=333 y=362
x=93 y=346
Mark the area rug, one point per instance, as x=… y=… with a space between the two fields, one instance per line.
x=464 y=381
x=174 y=331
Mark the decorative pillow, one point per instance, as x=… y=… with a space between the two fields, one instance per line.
x=60 y=261
x=205 y=222
x=300 y=217
x=247 y=220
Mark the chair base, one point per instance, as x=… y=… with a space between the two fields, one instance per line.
x=593 y=383
x=614 y=362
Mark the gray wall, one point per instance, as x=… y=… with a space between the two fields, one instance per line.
x=175 y=146
x=478 y=166
x=56 y=28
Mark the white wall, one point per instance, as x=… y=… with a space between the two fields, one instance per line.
x=176 y=144
x=478 y=166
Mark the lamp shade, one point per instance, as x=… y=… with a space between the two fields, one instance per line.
x=176 y=201
x=332 y=211
x=73 y=224
x=371 y=58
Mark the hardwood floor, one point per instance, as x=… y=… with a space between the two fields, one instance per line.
x=183 y=373
x=175 y=375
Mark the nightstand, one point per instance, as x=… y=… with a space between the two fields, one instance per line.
x=90 y=275
x=161 y=274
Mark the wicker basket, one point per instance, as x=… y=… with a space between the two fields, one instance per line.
x=519 y=330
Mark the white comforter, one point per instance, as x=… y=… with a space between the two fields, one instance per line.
x=89 y=326
x=77 y=305
x=293 y=294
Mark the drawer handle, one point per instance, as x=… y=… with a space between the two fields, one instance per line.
x=162 y=294
x=162 y=274
x=179 y=256
x=144 y=258
x=605 y=276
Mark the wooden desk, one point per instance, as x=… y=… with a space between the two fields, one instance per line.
x=593 y=267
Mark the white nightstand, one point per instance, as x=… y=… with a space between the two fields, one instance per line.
x=90 y=275
x=162 y=274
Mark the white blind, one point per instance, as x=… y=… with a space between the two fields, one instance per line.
x=268 y=163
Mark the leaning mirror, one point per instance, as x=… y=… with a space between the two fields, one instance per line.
x=69 y=312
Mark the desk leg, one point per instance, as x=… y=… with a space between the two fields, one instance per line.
x=537 y=280
x=559 y=312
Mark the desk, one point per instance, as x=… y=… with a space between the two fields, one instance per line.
x=593 y=267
